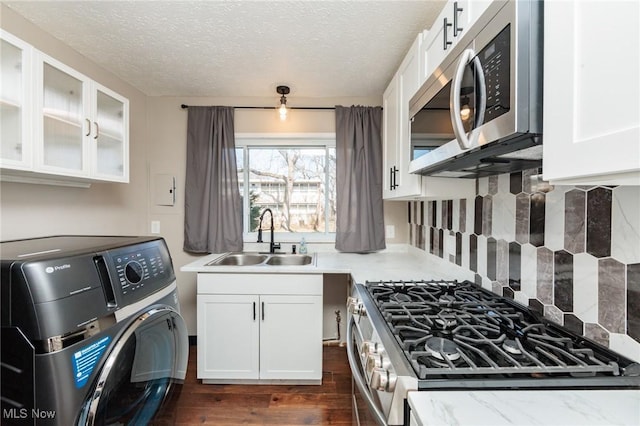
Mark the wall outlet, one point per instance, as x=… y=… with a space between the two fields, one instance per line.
x=390 y=231
x=155 y=226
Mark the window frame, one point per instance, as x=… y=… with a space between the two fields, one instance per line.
x=282 y=140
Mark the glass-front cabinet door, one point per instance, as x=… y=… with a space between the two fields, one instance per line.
x=56 y=122
x=109 y=137
x=15 y=84
x=65 y=120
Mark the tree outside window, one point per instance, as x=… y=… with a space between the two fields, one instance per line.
x=296 y=183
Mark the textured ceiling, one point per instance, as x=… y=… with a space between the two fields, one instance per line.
x=240 y=48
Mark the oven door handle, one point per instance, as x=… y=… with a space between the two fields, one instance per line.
x=465 y=141
x=359 y=380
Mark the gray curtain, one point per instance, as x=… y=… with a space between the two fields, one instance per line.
x=213 y=207
x=360 y=215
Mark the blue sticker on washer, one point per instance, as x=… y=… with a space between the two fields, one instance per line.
x=86 y=359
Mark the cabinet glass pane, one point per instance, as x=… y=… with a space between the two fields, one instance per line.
x=110 y=135
x=63 y=119
x=11 y=102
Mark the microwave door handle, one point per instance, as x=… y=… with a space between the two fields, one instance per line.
x=358 y=379
x=464 y=141
x=482 y=92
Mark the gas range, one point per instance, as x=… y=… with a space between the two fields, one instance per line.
x=457 y=335
x=460 y=330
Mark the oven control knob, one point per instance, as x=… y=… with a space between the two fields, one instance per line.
x=383 y=380
x=377 y=360
x=355 y=306
x=370 y=348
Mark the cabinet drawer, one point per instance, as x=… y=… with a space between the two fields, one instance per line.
x=304 y=284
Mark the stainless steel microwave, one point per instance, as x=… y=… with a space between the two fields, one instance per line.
x=480 y=112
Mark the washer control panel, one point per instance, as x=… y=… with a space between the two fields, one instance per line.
x=141 y=270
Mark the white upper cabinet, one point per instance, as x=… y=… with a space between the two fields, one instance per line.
x=109 y=147
x=592 y=92
x=390 y=129
x=399 y=183
x=447 y=30
x=59 y=126
x=15 y=95
x=63 y=124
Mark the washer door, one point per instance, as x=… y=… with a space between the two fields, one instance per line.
x=147 y=362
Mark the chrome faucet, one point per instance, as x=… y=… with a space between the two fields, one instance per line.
x=272 y=246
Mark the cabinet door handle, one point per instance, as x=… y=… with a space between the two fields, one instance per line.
x=254 y=311
x=456 y=11
x=262 y=311
x=391 y=178
x=88 y=126
x=444 y=35
x=97 y=130
x=394 y=174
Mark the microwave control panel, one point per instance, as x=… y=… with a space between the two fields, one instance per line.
x=496 y=65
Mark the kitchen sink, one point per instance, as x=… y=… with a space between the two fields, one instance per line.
x=289 y=259
x=239 y=259
x=266 y=259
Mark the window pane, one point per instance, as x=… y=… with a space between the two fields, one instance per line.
x=292 y=183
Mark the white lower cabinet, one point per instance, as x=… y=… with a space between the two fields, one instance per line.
x=259 y=328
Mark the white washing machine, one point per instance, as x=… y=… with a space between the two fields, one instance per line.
x=91 y=331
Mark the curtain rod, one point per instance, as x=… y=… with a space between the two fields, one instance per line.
x=183 y=106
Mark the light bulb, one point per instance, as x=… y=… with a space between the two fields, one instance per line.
x=465 y=112
x=282 y=110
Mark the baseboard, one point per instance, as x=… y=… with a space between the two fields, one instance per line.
x=193 y=340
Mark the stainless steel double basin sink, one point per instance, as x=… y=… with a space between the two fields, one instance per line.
x=267 y=259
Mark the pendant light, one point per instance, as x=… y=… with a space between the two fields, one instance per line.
x=282 y=108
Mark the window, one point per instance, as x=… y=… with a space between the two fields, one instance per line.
x=294 y=178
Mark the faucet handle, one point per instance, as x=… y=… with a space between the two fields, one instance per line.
x=275 y=246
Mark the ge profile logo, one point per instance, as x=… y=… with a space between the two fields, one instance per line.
x=52 y=269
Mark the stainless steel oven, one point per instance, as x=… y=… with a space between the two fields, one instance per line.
x=480 y=112
x=413 y=336
x=381 y=374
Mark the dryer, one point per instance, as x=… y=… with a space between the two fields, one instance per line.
x=91 y=331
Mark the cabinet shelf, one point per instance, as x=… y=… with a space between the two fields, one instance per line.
x=10 y=103
x=59 y=119
x=108 y=137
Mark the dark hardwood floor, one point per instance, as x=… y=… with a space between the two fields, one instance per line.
x=327 y=404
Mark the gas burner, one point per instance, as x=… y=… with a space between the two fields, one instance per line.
x=511 y=347
x=401 y=297
x=444 y=323
x=446 y=299
x=442 y=349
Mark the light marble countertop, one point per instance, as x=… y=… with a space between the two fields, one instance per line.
x=391 y=264
x=527 y=407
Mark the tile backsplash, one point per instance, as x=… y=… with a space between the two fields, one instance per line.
x=570 y=253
